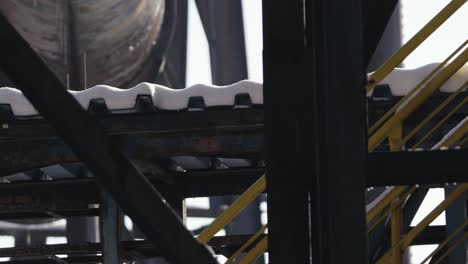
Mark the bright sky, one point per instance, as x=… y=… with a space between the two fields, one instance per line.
x=415 y=14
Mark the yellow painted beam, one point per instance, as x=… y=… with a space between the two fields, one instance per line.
x=255 y=252
x=246 y=244
x=440 y=123
x=395 y=137
x=434 y=113
x=406 y=241
x=384 y=203
x=399 y=202
x=446 y=241
x=457 y=135
x=451 y=248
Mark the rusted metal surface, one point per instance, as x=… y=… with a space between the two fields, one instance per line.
x=89 y=42
x=22 y=157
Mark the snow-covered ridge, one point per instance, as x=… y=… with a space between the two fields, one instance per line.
x=164 y=98
x=18 y=102
x=402 y=80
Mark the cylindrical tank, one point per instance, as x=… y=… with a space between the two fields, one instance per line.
x=89 y=42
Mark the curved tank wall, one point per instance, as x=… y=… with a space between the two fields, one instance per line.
x=89 y=42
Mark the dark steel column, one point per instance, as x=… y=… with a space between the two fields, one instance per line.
x=337 y=108
x=110 y=229
x=175 y=55
x=286 y=97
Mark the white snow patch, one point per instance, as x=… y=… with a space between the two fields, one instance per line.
x=18 y=102
x=115 y=98
x=402 y=80
x=163 y=97
x=171 y=99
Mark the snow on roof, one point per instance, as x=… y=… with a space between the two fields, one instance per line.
x=163 y=97
x=402 y=80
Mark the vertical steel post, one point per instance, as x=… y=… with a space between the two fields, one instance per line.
x=224 y=29
x=110 y=229
x=337 y=114
x=288 y=115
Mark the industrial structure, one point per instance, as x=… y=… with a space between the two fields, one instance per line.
x=97 y=126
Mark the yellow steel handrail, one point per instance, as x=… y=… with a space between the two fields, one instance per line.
x=225 y=217
x=249 y=242
x=391 y=208
x=440 y=123
x=384 y=203
x=446 y=241
x=434 y=113
x=460 y=131
x=451 y=248
x=413 y=43
x=425 y=93
x=406 y=241
x=255 y=252
x=415 y=89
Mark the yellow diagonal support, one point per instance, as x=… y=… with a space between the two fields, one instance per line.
x=413 y=43
x=255 y=252
x=434 y=113
x=405 y=242
x=451 y=248
x=392 y=207
x=417 y=101
x=246 y=244
x=446 y=241
x=384 y=203
x=225 y=217
x=377 y=124
x=440 y=123
x=460 y=131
